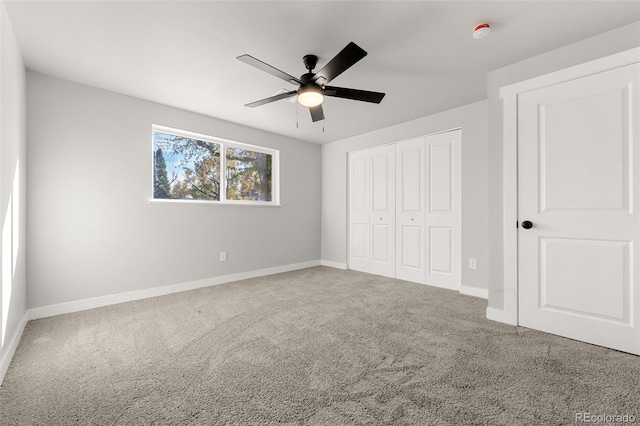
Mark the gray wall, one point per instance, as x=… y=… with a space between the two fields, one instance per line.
x=608 y=43
x=93 y=231
x=12 y=188
x=473 y=120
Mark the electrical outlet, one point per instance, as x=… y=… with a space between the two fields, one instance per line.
x=473 y=263
x=223 y=256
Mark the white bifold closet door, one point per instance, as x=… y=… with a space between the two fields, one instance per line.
x=443 y=212
x=428 y=210
x=372 y=211
x=404 y=210
x=410 y=209
x=383 y=211
x=359 y=210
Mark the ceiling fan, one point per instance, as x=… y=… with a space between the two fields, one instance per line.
x=312 y=88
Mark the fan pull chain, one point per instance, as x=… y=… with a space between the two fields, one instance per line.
x=297 y=113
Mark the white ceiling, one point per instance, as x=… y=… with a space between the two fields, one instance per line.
x=183 y=54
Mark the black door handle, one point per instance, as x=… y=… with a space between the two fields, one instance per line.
x=527 y=224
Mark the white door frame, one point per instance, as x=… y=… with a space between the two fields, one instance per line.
x=509 y=95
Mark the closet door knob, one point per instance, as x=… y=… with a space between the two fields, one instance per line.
x=527 y=224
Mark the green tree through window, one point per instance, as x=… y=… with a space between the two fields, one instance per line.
x=194 y=165
x=161 y=187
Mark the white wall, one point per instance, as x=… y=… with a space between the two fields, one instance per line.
x=608 y=43
x=473 y=120
x=12 y=192
x=93 y=231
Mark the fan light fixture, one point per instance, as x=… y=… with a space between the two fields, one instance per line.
x=310 y=96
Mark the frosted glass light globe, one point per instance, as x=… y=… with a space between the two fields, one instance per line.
x=310 y=99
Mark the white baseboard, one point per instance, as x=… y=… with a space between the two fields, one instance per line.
x=112 y=299
x=474 y=291
x=331 y=264
x=12 y=346
x=437 y=285
x=499 y=315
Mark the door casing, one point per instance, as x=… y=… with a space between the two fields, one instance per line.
x=509 y=96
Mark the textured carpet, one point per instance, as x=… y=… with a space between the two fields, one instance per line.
x=316 y=346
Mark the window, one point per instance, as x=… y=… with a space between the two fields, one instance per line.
x=248 y=174
x=192 y=167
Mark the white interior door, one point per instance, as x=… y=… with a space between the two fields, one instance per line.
x=359 y=211
x=442 y=231
x=383 y=211
x=410 y=211
x=578 y=183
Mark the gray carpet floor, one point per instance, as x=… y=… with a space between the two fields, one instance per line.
x=317 y=346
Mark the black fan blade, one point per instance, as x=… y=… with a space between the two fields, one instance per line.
x=355 y=94
x=348 y=56
x=248 y=59
x=272 y=99
x=316 y=113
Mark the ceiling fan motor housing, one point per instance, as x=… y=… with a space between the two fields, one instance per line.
x=310 y=61
x=308 y=85
x=307 y=79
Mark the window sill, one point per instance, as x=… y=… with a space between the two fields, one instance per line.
x=215 y=203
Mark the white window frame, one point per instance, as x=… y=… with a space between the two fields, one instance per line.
x=223 y=144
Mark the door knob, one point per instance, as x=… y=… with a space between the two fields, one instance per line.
x=527 y=224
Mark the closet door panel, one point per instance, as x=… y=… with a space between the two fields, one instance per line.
x=440 y=250
x=410 y=210
x=359 y=211
x=383 y=211
x=443 y=210
x=440 y=173
x=410 y=249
